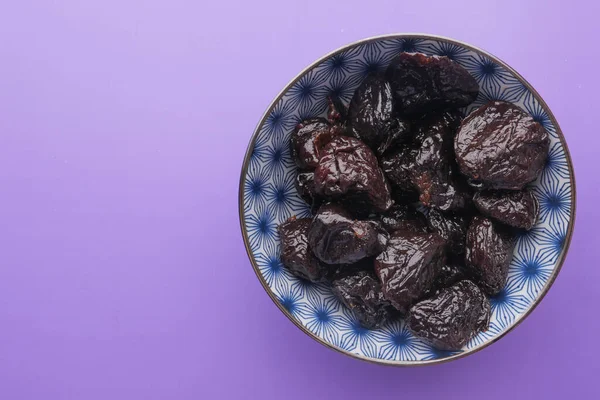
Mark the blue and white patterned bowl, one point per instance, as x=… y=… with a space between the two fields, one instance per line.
x=268 y=197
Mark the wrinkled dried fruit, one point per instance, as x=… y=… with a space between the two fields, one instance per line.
x=336 y=238
x=361 y=292
x=348 y=172
x=450 y=226
x=449 y=319
x=305 y=185
x=431 y=173
x=408 y=266
x=307 y=141
x=489 y=250
x=403 y=217
x=518 y=209
x=448 y=276
x=423 y=83
x=398 y=167
x=501 y=146
x=295 y=252
x=371 y=115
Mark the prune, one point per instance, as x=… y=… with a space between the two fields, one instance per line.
x=403 y=217
x=431 y=172
x=448 y=276
x=336 y=238
x=449 y=319
x=295 y=252
x=371 y=115
x=408 y=265
x=305 y=185
x=361 y=292
x=450 y=226
x=307 y=141
x=423 y=83
x=337 y=111
x=398 y=167
x=489 y=250
x=518 y=209
x=501 y=146
x=348 y=172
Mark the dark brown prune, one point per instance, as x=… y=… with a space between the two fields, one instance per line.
x=518 y=209
x=488 y=252
x=339 y=271
x=371 y=115
x=449 y=319
x=448 y=276
x=398 y=167
x=305 y=185
x=295 y=252
x=336 y=238
x=348 y=172
x=361 y=292
x=307 y=141
x=408 y=265
x=423 y=83
x=501 y=146
x=431 y=172
x=337 y=111
x=450 y=226
x=403 y=217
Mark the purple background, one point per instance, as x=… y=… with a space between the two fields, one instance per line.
x=123 y=125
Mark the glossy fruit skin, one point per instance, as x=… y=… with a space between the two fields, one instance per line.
x=295 y=254
x=431 y=172
x=450 y=226
x=517 y=209
x=501 y=146
x=348 y=172
x=371 y=115
x=448 y=276
x=489 y=250
x=408 y=266
x=449 y=319
x=398 y=167
x=403 y=217
x=361 y=293
x=308 y=140
x=336 y=238
x=423 y=83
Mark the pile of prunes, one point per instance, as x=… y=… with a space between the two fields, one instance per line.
x=415 y=208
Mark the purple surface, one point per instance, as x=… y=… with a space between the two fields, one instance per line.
x=123 y=274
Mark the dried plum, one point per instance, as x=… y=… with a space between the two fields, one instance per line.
x=295 y=252
x=403 y=217
x=423 y=83
x=450 y=226
x=398 y=167
x=348 y=172
x=448 y=276
x=517 y=209
x=307 y=141
x=408 y=266
x=452 y=317
x=489 y=250
x=336 y=238
x=431 y=172
x=305 y=185
x=361 y=292
x=371 y=115
x=501 y=146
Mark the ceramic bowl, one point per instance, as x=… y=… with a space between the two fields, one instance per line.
x=268 y=197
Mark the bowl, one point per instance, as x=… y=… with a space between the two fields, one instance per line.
x=268 y=197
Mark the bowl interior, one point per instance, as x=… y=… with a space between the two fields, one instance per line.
x=268 y=197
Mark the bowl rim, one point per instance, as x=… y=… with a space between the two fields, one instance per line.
x=560 y=260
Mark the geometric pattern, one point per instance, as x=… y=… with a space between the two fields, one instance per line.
x=268 y=197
